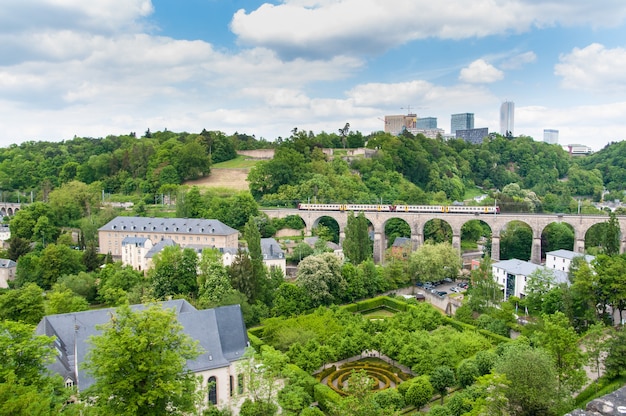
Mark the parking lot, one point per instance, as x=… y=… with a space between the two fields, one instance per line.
x=443 y=288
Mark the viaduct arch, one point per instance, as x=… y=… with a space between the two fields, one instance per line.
x=8 y=209
x=498 y=222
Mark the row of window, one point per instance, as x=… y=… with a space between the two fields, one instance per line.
x=212 y=384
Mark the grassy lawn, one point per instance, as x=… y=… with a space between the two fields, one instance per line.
x=240 y=162
x=379 y=313
x=470 y=193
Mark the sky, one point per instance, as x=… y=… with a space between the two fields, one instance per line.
x=100 y=67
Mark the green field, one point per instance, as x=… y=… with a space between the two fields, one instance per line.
x=240 y=162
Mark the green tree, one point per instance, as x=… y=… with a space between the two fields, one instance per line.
x=18 y=247
x=258 y=277
x=240 y=272
x=433 y=262
x=441 y=378
x=213 y=281
x=539 y=283
x=516 y=241
x=174 y=272
x=467 y=372
x=533 y=388
x=485 y=291
x=320 y=277
x=419 y=392
x=596 y=346
x=23 y=305
x=357 y=246
x=615 y=361
x=59 y=260
x=138 y=363
x=561 y=341
x=63 y=300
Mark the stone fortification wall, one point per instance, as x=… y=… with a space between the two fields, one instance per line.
x=258 y=154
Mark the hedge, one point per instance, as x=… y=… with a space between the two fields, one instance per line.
x=295 y=372
x=255 y=342
x=257 y=331
x=325 y=397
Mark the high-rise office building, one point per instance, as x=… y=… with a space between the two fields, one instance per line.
x=507 y=118
x=551 y=136
x=426 y=123
x=463 y=121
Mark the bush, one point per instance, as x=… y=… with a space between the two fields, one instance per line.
x=325 y=397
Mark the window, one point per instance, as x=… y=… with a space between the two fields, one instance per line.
x=213 y=390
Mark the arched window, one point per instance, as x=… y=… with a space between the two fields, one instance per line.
x=213 y=390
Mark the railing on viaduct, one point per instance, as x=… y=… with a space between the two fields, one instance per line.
x=498 y=222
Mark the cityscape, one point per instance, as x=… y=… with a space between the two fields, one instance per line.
x=462 y=127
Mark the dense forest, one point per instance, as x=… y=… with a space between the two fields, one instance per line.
x=405 y=168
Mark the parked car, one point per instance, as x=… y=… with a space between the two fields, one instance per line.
x=462 y=285
x=447 y=280
x=442 y=293
x=428 y=285
x=455 y=289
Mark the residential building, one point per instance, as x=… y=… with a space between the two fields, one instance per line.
x=512 y=275
x=5 y=232
x=273 y=254
x=551 y=136
x=475 y=136
x=401 y=247
x=220 y=333
x=507 y=118
x=183 y=231
x=134 y=250
x=562 y=259
x=336 y=248
x=462 y=121
x=426 y=123
x=7 y=272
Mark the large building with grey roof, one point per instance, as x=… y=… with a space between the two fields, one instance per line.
x=220 y=333
x=562 y=259
x=182 y=231
x=512 y=275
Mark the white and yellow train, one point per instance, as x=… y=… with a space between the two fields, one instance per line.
x=454 y=209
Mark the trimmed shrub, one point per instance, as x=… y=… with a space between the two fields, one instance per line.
x=325 y=397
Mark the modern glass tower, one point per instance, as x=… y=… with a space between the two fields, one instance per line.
x=507 y=118
x=463 y=121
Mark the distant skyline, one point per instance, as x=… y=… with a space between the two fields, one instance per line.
x=101 y=67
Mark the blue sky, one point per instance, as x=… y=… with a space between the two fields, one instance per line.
x=105 y=67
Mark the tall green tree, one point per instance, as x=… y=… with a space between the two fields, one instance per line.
x=138 y=363
x=357 y=246
x=174 y=272
x=259 y=273
x=561 y=341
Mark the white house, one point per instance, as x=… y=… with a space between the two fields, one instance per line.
x=220 y=332
x=273 y=254
x=7 y=272
x=562 y=259
x=5 y=232
x=513 y=275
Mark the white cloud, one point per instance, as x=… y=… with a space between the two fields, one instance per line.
x=593 y=68
x=480 y=72
x=323 y=28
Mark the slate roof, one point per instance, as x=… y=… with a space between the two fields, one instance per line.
x=271 y=249
x=135 y=241
x=526 y=268
x=7 y=263
x=166 y=242
x=169 y=225
x=220 y=332
x=570 y=255
x=401 y=242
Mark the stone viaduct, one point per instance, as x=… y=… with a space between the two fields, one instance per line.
x=8 y=209
x=497 y=222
